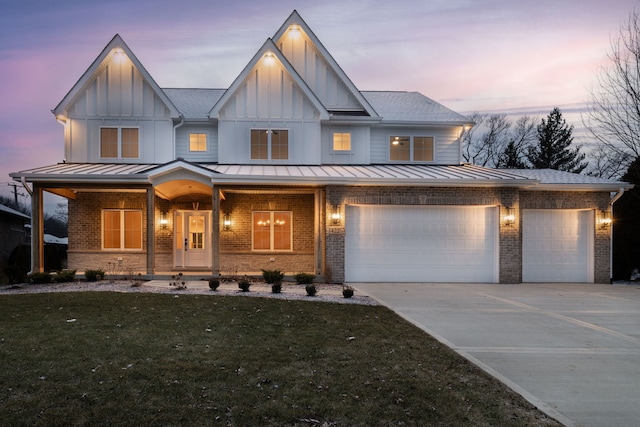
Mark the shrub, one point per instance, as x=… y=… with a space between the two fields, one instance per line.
x=40 y=277
x=276 y=288
x=272 y=276
x=213 y=284
x=178 y=281
x=93 y=275
x=304 y=278
x=347 y=291
x=244 y=285
x=311 y=290
x=65 y=276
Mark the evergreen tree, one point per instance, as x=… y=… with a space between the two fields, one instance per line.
x=626 y=227
x=553 y=150
x=511 y=158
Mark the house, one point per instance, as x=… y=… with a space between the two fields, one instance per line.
x=292 y=167
x=13 y=232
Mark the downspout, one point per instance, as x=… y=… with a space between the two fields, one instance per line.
x=613 y=200
x=174 y=136
x=26 y=187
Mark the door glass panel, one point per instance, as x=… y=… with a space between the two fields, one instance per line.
x=196 y=232
x=178 y=230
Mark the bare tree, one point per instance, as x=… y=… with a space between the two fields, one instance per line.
x=523 y=136
x=486 y=149
x=606 y=163
x=613 y=111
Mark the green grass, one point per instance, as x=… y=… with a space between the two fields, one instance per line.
x=102 y=358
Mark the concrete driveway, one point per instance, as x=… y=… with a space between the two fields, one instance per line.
x=571 y=349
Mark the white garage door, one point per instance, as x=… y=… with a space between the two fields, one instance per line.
x=557 y=245
x=421 y=244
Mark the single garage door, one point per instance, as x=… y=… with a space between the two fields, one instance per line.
x=421 y=244
x=557 y=245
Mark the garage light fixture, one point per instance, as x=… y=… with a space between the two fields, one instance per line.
x=510 y=217
x=335 y=215
x=605 y=219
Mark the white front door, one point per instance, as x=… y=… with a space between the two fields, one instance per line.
x=192 y=239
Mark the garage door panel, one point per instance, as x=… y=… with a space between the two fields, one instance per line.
x=421 y=244
x=557 y=245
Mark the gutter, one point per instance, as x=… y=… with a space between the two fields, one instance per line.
x=173 y=148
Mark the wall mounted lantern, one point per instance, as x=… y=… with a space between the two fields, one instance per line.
x=605 y=219
x=226 y=222
x=510 y=217
x=335 y=215
x=163 y=221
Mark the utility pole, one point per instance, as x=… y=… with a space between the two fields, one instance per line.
x=15 y=193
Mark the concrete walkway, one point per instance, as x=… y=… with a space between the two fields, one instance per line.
x=571 y=349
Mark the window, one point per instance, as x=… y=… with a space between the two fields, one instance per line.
x=341 y=141
x=197 y=142
x=269 y=144
x=121 y=229
x=272 y=231
x=119 y=143
x=407 y=148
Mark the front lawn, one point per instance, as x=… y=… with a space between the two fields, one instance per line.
x=101 y=358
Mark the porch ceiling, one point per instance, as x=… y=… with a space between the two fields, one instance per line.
x=172 y=189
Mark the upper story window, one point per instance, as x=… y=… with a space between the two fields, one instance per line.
x=342 y=141
x=197 y=142
x=121 y=229
x=119 y=143
x=269 y=144
x=411 y=148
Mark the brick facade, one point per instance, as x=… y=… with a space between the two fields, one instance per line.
x=235 y=252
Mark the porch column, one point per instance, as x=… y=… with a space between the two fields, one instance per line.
x=151 y=235
x=215 y=230
x=37 y=230
x=318 y=203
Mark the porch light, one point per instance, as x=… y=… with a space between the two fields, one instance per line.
x=605 y=219
x=164 y=221
x=335 y=215
x=510 y=217
x=226 y=222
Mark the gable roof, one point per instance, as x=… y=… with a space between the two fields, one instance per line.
x=296 y=19
x=98 y=64
x=412 y=107
x=194 y=103
x=269 y=48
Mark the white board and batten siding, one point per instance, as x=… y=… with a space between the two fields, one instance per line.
x=269 y=99
x=119 y=97
x=558 y=245
x=421 y=244
x=446 y=150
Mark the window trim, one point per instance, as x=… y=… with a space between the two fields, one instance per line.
x=412 y=138
x=122 y=231
x=270 y=132
x=119 y=142
x=271 y=233
x=206 y=137
x=333 y=143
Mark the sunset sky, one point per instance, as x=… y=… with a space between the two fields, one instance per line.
x=508 y=56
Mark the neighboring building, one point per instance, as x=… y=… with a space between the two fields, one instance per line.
x=13 y=232
x=292 y=167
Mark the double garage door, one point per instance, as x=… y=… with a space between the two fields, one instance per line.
x=461 y=244
x=421 y=244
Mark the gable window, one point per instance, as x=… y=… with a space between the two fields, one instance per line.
x=342 y=141
x=269 y=144
x=411 y=148
x=197 y=142
x=271 y=231
x=122 y=229
x=120 y=143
